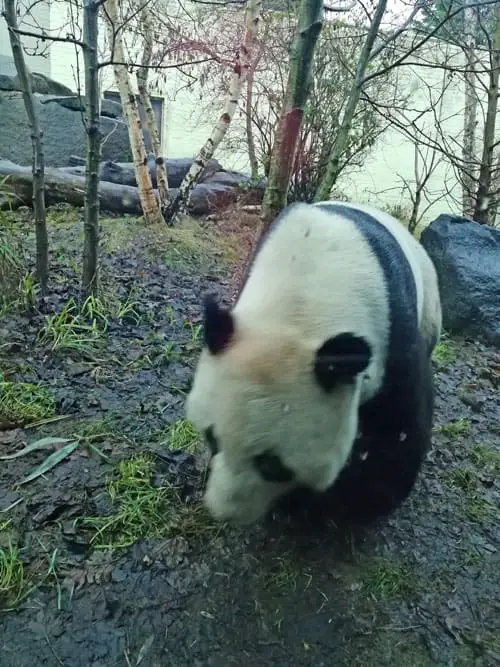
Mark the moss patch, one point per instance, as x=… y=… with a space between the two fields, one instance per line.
x=191 y=245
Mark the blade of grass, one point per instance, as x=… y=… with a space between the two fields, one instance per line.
x=50 y=462
x=35 y=446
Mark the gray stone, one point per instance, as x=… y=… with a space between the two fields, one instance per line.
x=40 y=83
x=63 y=130
x=467 y=260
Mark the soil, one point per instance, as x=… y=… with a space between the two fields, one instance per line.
x=420 y=588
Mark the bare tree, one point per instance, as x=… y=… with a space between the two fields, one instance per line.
x=142 y=84
x=333 y=169
x=91 y=220
x=309 y=24
x=483 y=196
x=240 y=70
x=149 y=203
x=38 y=162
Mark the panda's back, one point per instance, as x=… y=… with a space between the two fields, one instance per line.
x=331 y=267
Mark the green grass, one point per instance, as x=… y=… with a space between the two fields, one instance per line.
x=456 y=428
x=69 y=330
x=144 y=510
x=23 y=403
x=12 y=580
x=383 y=580
x=468 y=484
x=445 y=352
x=284 y=576
x=464 y=479
x=181 y=435
x=190 y=245
x=486 y=458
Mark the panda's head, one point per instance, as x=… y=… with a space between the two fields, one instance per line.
x=275 y=411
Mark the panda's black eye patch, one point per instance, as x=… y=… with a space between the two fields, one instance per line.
x=212 y=442
x=271 y=468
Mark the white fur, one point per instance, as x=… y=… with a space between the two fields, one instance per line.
x=314 y=278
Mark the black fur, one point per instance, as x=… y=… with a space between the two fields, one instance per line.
x=396 y=425
x=396 y=428
x=340 y=359
x=272 y=468
x=218 y=325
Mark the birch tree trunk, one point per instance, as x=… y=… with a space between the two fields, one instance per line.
x=341 y=142
x=299 y=82
x=142 y=84
x=240 y=70
x=468 y=176
x=93 y=149
x=149 y=204
x=481 y=214
x=38 y=162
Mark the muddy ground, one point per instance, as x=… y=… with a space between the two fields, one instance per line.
x=422 y=588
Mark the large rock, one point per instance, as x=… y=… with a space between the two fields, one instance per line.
x=40 y=83
x=467 y=259
x=63 y=130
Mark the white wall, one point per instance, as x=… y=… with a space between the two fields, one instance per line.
x=36 y=52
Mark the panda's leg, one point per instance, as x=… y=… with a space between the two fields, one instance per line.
x=396 y=435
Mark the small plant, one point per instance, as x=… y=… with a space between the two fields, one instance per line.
x=128 y=310
x=464 y=479
x=488 y=459
x=195 y=330
x=384 y=580
x=457 y=428
x=12 y=582
x=23 y=403
x=94 y=309
x=67 y=331
x=444 y=352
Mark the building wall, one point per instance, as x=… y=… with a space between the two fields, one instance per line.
x=37 y=54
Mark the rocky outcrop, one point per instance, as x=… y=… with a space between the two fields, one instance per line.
x=40 y=83
x=467 y=260
x=63 y=130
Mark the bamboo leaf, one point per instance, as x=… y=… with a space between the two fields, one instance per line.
x=51 y=461
x=38 y=444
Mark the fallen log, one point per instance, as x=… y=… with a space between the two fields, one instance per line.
x=123 y=173
x=62 y=186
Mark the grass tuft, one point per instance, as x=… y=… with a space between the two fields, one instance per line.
x=456 y=428
x=12 y=581
x=383 y=580
x=445 y=352
x=182 y=435
x=23 y=403
x=144 y=510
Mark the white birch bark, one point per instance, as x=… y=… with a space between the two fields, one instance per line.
x=240 y=70
x=147 y=197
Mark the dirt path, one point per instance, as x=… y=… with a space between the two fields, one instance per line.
x=420 y=589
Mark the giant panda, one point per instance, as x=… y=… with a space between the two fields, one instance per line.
x=320 y=378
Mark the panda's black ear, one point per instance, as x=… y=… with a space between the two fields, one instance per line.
x=218 y=325
x=340 y=359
